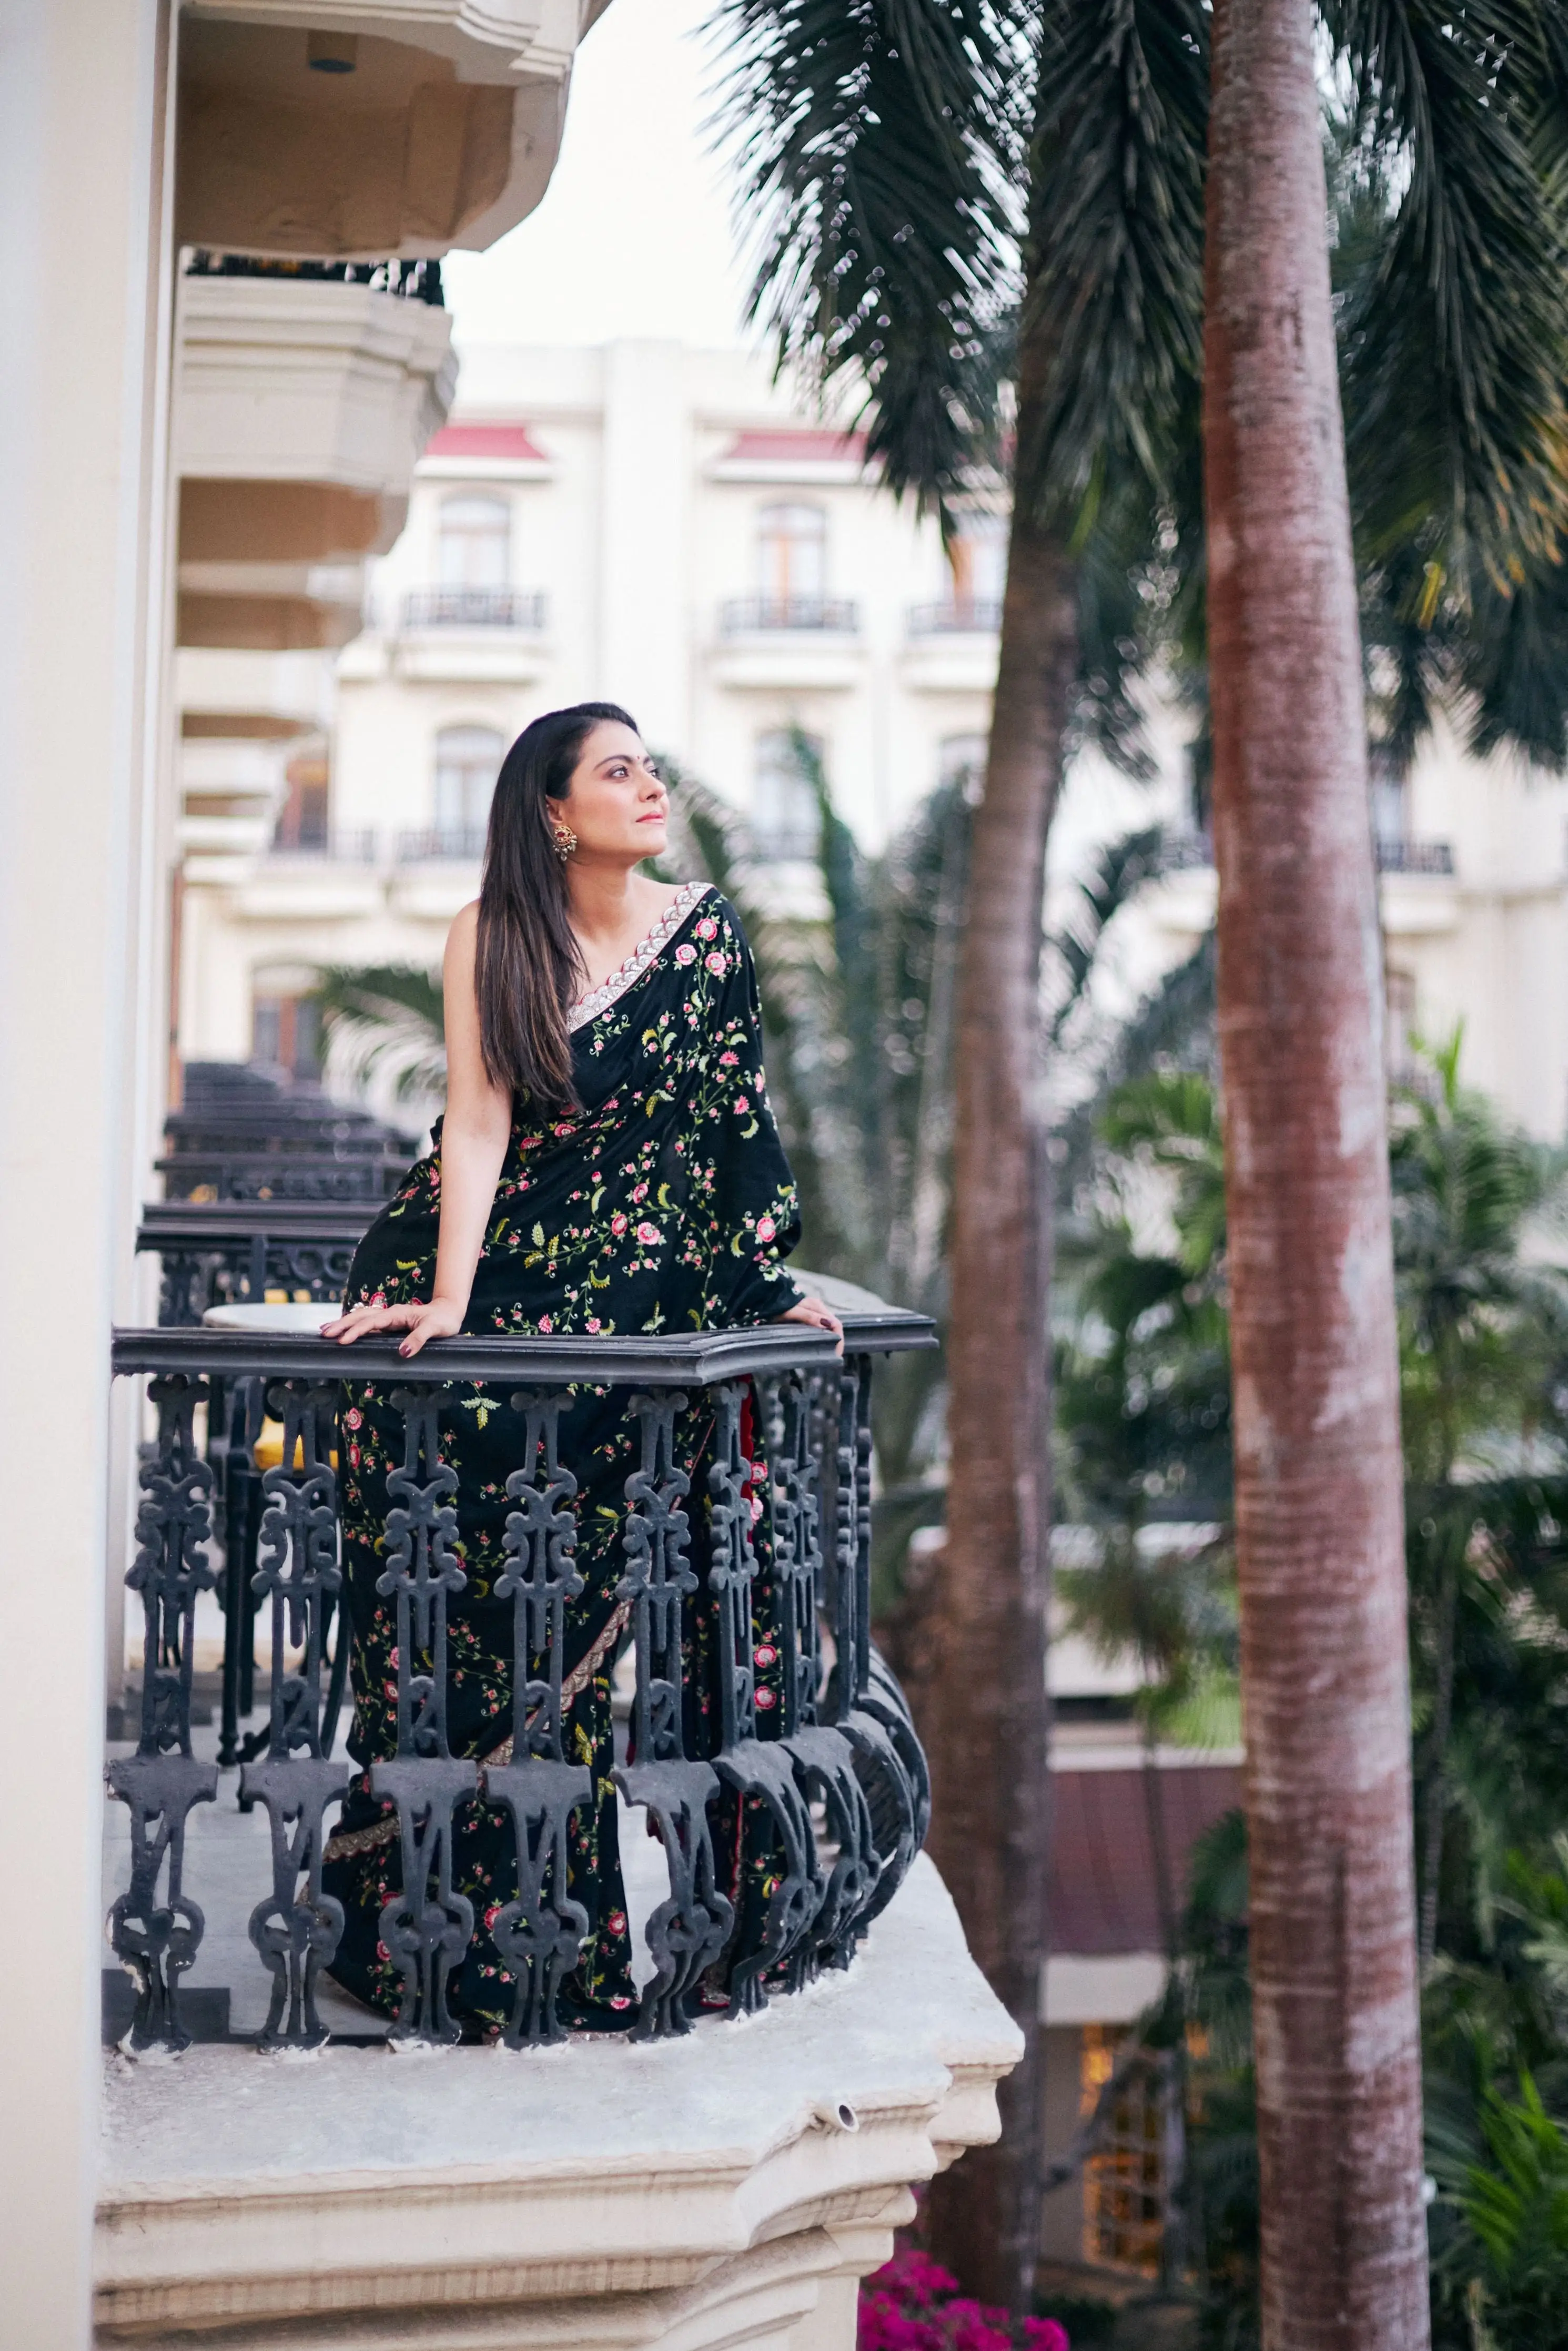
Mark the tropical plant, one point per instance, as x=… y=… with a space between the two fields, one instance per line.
x=384 y=1025
x=923 y=173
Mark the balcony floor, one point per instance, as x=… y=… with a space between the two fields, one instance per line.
x=228 y=1871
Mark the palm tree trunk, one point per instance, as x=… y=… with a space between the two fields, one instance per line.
x=985 y=1720
x=1318 y=1480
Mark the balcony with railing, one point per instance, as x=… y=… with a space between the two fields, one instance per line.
x=742 y=616
x=962 y=616
x=738 y=2158
x=475 y=608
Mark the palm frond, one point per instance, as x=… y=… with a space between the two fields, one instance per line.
x=1115 y=234
x=875 y=138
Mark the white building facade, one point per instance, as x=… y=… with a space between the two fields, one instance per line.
x=641 y=524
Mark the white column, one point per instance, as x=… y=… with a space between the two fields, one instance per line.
x=83 y=112
x=644 y=632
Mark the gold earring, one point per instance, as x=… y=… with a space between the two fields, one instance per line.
x=564 y=838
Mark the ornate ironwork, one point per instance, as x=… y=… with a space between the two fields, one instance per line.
x=686 y=1932
x=762 y=1772
x=539 y=1934
x=427 y=1925
x=156 y=1940
x=791 y=1449
x=297 y=1932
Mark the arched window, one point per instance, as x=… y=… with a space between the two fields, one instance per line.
x=978 y=557
x=467 y=760
x=792 y=555
x=785 y=818
x=473 y=541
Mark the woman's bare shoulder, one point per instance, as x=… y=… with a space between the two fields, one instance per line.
x=462 y=938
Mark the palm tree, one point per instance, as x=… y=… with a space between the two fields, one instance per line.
x=901 y=152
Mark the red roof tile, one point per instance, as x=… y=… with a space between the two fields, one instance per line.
x=1101 y=1898
x=805 y=446
x=509 y=441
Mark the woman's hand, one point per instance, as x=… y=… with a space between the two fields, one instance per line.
x=442 y=1319
x=811 y=1309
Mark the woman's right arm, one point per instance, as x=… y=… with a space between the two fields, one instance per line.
x=474 y=1138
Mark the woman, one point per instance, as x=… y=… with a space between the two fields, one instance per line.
x=607 y=1163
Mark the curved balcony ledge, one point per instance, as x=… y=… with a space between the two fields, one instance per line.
x=685 y=2190
x=440 y=128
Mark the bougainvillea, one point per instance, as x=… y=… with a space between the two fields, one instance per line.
x=912 y=2304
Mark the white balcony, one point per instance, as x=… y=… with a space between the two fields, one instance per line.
x=477 y=637
x=422 y=125
x=781 y=644
x=951 y=647
x=222 y=690
x=303 y=407
x=731 y=2187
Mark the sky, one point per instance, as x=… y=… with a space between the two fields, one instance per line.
x=633 y=236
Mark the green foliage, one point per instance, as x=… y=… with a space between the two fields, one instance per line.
x=385 y=1019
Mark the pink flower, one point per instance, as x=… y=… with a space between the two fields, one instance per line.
x=707 y=928
x=742 y=1102
x=353 y=1457
x=716 y=962
x=546 y=1326
x=1044 y=2334
x=351 y=1419
x=766 y=1654
x=593 y=1322
x=618 y=1224
x=766 y=1227
x=638 y=1191
x=913 y=2277
x=648 y=1235
x=616 y=1922
x=685 y=952
x=492 y=1914
x=766 y=1701
x=728 y=1060
x=619 y=1999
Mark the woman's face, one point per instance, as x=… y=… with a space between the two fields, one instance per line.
x=618 y=806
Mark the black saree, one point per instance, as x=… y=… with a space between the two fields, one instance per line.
x=665 y=1204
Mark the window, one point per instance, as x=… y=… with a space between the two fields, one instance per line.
x=474 y=542
x=302 y=819
x=978 y=559
x=1124 y=2178
x=1399 y=1024
x=786 y=820
x=467 y=760
x=286 y=1032
x=792 y=550
x=1390 y=799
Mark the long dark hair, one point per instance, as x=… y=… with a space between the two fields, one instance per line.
x=529 y=969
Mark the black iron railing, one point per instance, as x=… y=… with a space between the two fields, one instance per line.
x=839 y=1744
x=961 y=616
x=415 y=281
x=475 y=608
x=244 y=1134
x=244 y=1252
x=748 y=615
x=1185 y=852
x=1414 y=856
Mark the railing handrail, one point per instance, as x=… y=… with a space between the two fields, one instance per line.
x=955 y=616
x=408 y=281
x=211 y=1222
x=741 y=615
x=1407 y=856
x=702 y=1357
x=475 y=608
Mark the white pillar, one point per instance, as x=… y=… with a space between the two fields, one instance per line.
x=644 y=634
x=83 y=132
